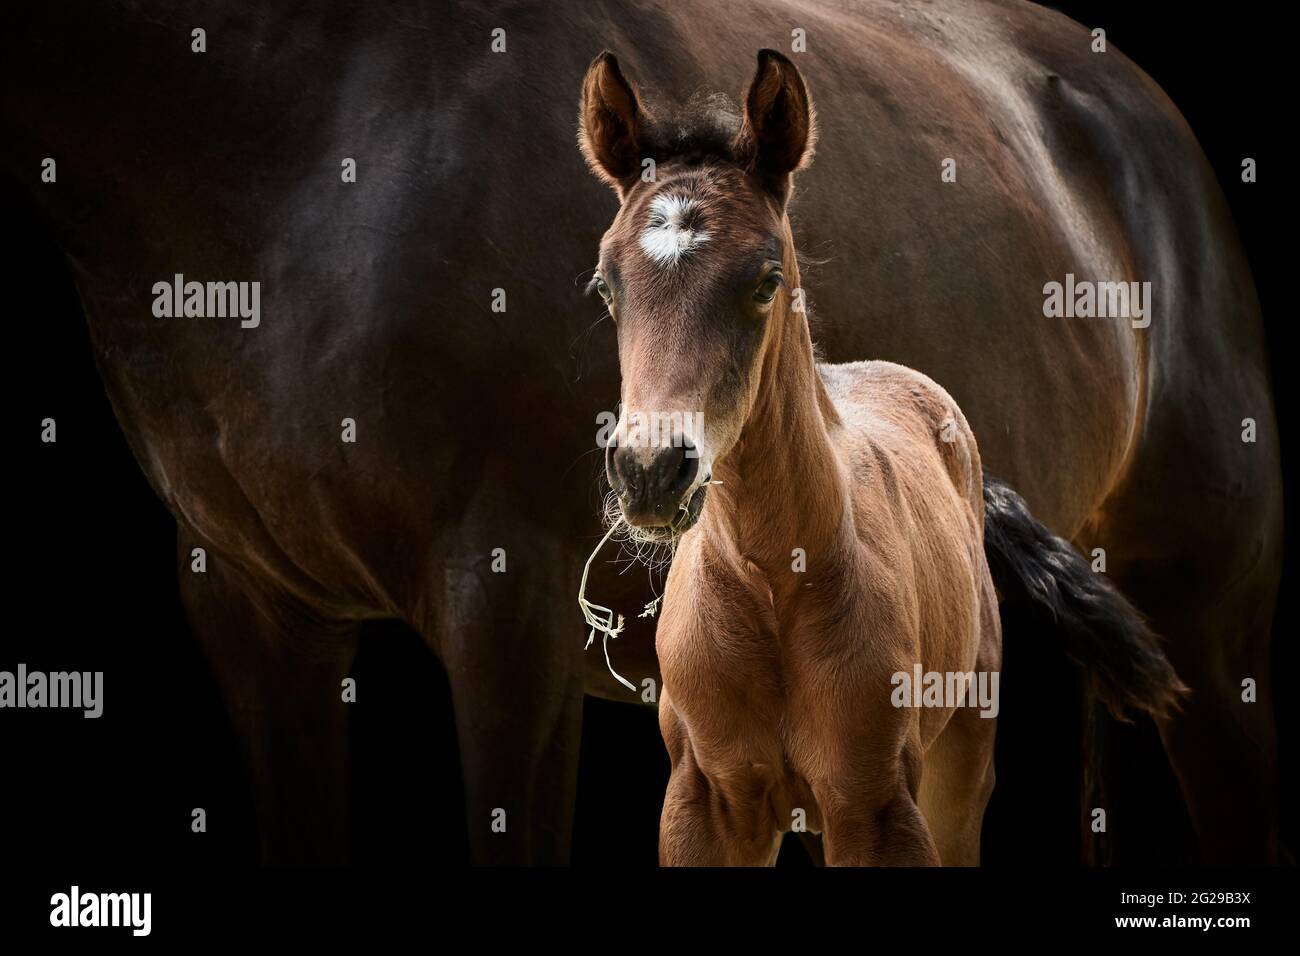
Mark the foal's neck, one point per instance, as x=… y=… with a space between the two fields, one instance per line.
x=783 y=486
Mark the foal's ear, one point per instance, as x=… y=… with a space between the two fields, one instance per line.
x=610 y=123
x=780 y=126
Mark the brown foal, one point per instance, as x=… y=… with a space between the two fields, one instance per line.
x=842 y=543
x=841 y=560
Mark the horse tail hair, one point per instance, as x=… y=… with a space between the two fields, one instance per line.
x=1054 y=590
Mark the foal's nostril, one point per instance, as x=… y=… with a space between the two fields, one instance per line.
x=672 y=474
x=689 y=467
x=622 y=470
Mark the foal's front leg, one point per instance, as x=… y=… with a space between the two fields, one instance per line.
x=872 y=819
x=699 y=829
x=700 y=826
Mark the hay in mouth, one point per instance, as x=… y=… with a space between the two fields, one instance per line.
x=653 y=547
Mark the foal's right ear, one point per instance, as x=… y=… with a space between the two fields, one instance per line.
x=610 y=122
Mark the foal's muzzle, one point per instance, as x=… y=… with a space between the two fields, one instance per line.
x=651 y=482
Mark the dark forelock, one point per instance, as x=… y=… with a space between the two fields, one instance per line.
x=704 y=128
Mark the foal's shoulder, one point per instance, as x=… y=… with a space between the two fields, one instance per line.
x=876 y=392
x=888 y=389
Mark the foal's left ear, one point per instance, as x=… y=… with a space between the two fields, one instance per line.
x=779 y=130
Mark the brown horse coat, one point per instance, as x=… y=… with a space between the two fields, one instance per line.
x=777 y=683
x=472 y=424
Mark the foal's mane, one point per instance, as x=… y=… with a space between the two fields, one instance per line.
x=703 y=128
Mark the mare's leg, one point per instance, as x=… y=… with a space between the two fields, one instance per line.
x=512 y=644
x=281 y=678
x=1223 y=748
x=1198 y=549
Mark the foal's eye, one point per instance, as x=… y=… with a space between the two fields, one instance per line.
x=602 y=289
x=766 y=292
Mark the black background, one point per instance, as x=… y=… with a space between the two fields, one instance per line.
x=92 y=584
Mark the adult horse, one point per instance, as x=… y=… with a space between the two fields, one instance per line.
x=378 y=306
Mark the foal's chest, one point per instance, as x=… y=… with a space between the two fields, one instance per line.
x=730 y=706
x=729 y=677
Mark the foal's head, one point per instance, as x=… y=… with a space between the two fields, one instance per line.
x=697 y=270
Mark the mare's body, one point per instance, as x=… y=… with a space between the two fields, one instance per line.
x=473 y=425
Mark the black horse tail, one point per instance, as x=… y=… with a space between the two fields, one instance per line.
x=1053 y=589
